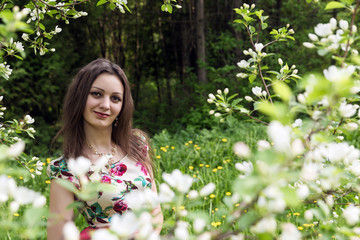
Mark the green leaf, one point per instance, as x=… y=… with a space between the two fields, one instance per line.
x=252 y=29
x=264 y=26
x=112 y=6
x=42 y=26
x=333 y=5
x=101 y=2
x=252 y=77
x=283 y=90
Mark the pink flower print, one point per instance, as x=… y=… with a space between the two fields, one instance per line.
x=105 y=179
x=119 y=181
x=143 y=168
x=145 y=150
x=119 y=169
x=120 y=206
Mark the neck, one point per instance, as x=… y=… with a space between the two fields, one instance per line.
x=99 y=139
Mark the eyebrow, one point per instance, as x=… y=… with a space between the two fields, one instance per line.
x=104 y=90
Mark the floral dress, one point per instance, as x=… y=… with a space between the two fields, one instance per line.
x=126 y=174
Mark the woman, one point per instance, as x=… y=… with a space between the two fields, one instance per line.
x=97 y=122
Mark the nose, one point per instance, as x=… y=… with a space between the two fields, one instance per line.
x=105 y=103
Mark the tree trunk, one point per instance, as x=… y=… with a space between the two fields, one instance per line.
x=200 y=41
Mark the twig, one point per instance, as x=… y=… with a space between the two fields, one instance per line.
x=263 y=81
x=350 y=33
x=60 y=6
x=248 y=31
x=253 y=118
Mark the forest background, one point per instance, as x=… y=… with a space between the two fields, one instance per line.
x=163 y=56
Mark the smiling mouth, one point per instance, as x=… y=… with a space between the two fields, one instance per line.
x=102 y=115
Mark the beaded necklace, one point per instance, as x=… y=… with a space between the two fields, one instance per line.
x=109 y=156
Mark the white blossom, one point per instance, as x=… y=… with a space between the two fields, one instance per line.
x=297 y=123
x=7 y=188
x=177 y=180
x=289 y=232
x=257 y=91
x=70 y=231
x=333 y=23
x=165 y=193
x=28 y=119
x=263 y=145
x=101 y=234
x=308 y=214
x=193 y=194
x=323 y=29
x=308 y=45
x=217 y=114
x=347 y=110
x=280 y=135
x=226 y=91
x=335 y=74
x=249 y=99
x=243 y=64
x=181 y=231
x=303 y=191
x=351 y=214
x=280 y=61
x=258 y=47
x=207 y=189
x=267 y=224
x=212 y=96
x=16 y=149
x=344 y=25
x=79 y=166
x=199 y=225
x=241 y=149
x=211 y=112
x=241 y=75
x=313 y=37
x=128 y=222
x=244 y=167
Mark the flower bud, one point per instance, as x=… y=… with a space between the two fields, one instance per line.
x=226 y=90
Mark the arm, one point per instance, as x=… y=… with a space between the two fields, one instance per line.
x=59 y=199
x=158 y=218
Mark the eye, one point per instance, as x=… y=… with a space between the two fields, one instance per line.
x=116 y=99
x=95 y=94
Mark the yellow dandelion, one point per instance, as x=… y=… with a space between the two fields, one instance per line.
x=272 y=143
x=173 y=208
x=228 y=160
x=236 y=205
x=201 y=165
x=298 y=156
x=9 y=176
x=224 y=161
x=214 y=170
x=21 y=177
x=212 y=196
x=332 y=236
x=245 y=210
x=315 y=201
x=207 y=165
x=167 y=146
x=228 y=193
x=300 y=228
x=223 y=216
x=155 y=150
x=218 y=223
x=195 y=146
x=158 y=157
x=191 y=167
x=48 y=181
x=164 y=149
x=198 y=148
x=16 y=214
x=48 y=160
x=194 y=176
x=31 y=170
x=43 y=164
x=182 y=207
x=172 y=147
x=216 y=209
x=213 y=224
x=186 y=144
x=190 y=142
x=307 y=225
x=219 y=167
x=224 y=140
x=296 y=214
x=187 y=195
x=212 y=211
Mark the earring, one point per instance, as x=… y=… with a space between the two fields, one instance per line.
x=116 y=121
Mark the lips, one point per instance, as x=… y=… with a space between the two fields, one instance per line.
x=102 y=115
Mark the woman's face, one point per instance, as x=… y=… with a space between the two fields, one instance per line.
x=104 y=101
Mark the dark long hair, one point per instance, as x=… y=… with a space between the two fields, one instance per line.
x=132 y=141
